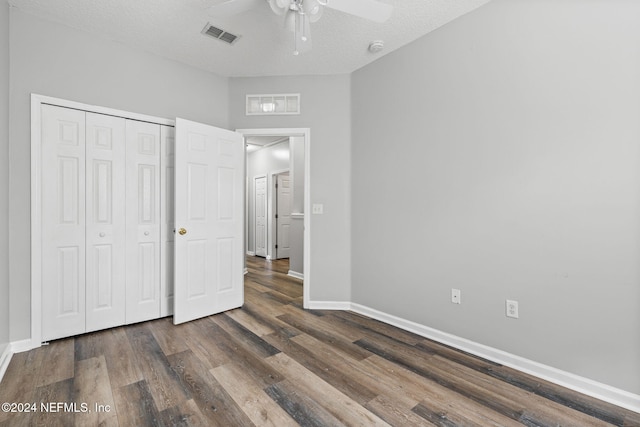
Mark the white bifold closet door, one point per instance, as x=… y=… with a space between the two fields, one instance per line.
x=143 y=221
x=167 y=218
x=83 y=232
x=63 y=222
x=105 y=221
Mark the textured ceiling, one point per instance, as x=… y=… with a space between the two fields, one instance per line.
x=172 y=29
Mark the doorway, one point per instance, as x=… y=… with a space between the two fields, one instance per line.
x=299 y=185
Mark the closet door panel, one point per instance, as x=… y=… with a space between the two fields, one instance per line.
x=167 y=178
x=63 y=222
x=105 y=207
x=142 y=221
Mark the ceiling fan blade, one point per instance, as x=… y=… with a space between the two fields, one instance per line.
x=228 y=8
x=372 y=10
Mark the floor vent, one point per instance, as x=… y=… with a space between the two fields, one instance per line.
x=220 y=34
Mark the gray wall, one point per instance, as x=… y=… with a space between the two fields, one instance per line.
x=500 y=155
x=4 y=175
x=326 y=110
x=51 y=59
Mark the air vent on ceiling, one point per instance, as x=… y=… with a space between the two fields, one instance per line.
x=220 y=34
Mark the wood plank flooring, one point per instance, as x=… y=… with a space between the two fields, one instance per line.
x=271 y=363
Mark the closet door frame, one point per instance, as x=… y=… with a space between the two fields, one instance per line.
x=36 y=193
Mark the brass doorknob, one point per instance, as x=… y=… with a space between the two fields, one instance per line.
x=182 y=231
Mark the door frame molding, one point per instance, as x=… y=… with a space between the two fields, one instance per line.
x=36 y=192
x=306 y=134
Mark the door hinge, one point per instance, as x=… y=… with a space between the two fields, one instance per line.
x=276 y=216
x=276 y=246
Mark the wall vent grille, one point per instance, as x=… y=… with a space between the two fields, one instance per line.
x=219 y=34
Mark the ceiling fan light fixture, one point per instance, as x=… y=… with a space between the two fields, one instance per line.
x=311 y=6
x=299 y=14
x=276 y=8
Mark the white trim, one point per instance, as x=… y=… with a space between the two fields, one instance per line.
x=295 y=274
x=251 y=253
x=11 y=349
x=42 y=99
x=5 y=358
x=306 y=133
x=297 y=215
x=22 y=345
x=36 y=219
x=329 y=305
x=574 y=382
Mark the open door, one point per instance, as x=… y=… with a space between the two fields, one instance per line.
x=283 y=216
x=209 y=174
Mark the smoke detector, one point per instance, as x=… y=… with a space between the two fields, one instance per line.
x=376 y=46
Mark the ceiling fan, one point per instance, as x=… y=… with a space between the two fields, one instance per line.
x=299 y=14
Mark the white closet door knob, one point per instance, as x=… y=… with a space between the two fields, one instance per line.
x=102 y=234
x=146 y=233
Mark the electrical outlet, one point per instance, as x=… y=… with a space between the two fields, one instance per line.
x=317 y=209
x=512 y=309
x=455 y=296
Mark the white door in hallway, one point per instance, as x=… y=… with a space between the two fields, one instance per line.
x=283 y=216
x=209 y=217
x=260 y=207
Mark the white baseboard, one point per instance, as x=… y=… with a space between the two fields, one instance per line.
x=251 y=253
x=295 y=274
x=23 y=345
x=571 y=381
x=5 y=358
x=11 y=349
x=329 y=305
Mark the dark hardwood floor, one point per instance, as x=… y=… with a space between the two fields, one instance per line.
x=271 y=363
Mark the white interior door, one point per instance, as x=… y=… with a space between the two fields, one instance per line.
x=63 y=222
x=105 y=221
x=209 y=170
x=260 y=207
x=283 y=216
x=143 y=221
